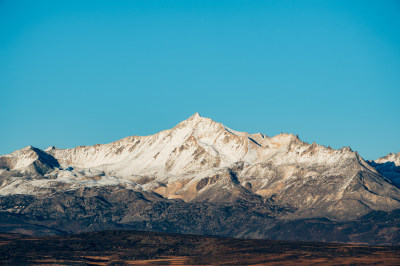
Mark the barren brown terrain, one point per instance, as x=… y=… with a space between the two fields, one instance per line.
x=151 y=248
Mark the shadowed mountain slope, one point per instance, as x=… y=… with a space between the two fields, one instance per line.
x=389 y=167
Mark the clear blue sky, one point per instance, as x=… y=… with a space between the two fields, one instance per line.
x=84 y=72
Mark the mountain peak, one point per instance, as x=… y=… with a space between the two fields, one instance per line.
x=195 y=116
x=202 y=160
x=29 y=147
x=197 y=121
x=391 y=157
x=50 y=148
x=24 y=150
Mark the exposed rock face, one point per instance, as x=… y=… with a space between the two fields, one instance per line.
x=198 y=165
x=104 y=208
x=389 y=167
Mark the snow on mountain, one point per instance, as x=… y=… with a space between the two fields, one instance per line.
x=202 y=160
x=29 y=159
x=389 y=167
x=391 y=157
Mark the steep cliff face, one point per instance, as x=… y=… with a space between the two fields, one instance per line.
x=202 y=161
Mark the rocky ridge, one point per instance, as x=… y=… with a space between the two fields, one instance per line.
x=389 y=167
x=199 y=165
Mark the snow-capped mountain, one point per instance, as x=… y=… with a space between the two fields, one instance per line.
x=200 y=159
x=389 y=167
x=199 y=162
x=391 y=157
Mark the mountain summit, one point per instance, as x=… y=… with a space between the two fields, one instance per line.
x=203 y=161
x=388 y=166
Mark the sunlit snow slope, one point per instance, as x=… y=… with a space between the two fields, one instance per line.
x=202 y=160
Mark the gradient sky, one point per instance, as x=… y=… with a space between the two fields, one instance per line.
x=85 y=72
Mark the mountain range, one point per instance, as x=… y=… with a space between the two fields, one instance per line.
x=202 y=177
